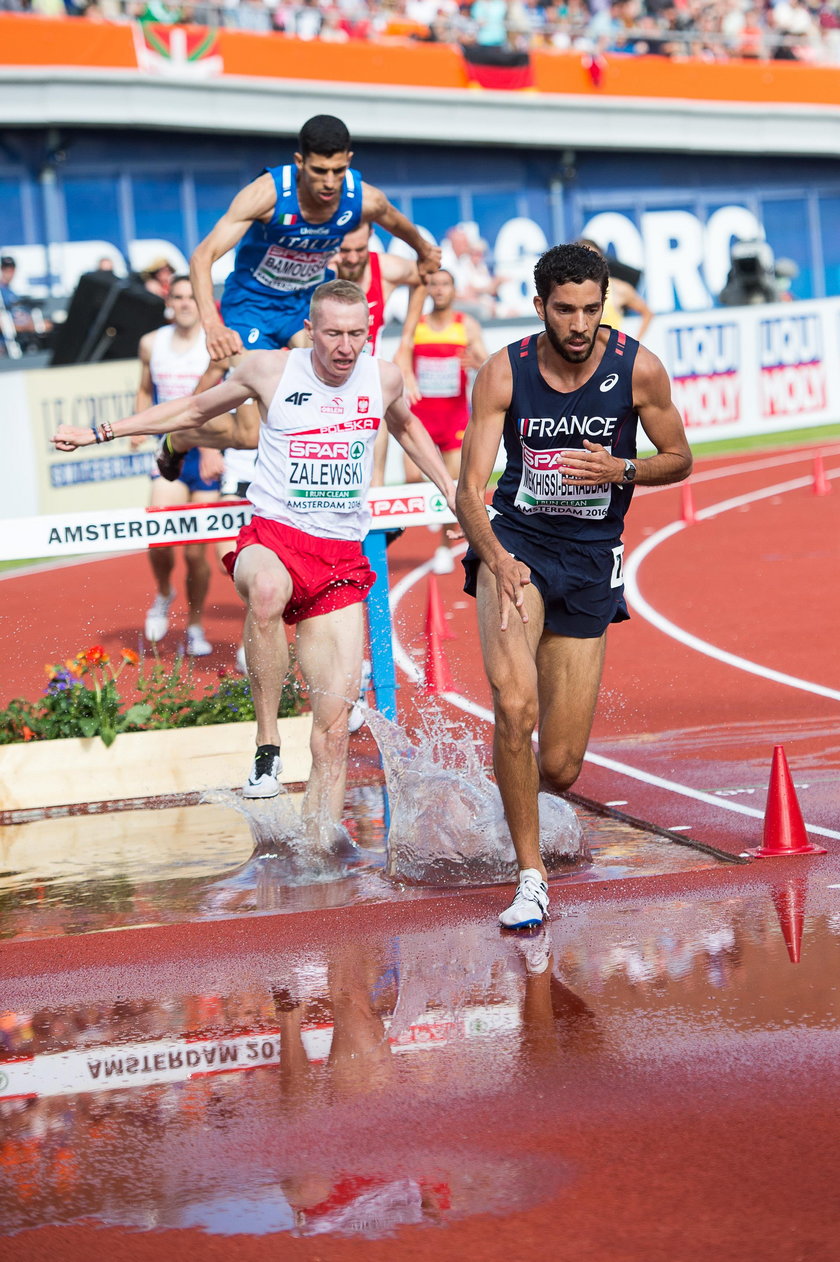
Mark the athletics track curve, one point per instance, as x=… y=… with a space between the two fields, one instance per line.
x=731 y=648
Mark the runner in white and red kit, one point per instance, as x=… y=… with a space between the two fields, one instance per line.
x=300 y=559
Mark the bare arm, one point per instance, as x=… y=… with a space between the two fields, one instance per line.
x=404 y=354
x=396 y=271
x=411 y=433
x=145 y=390
x=490 y=400
x=661 y=422
x=476 y=352
x=377 y=209
x=629 y=299
x=256 y=201
x=164 y=418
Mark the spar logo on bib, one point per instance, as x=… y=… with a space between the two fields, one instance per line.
x=357 y=450
x=437 y=504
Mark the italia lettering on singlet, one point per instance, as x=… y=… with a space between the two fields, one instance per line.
x=315 y=456
x=290 y=254
x=542 y=422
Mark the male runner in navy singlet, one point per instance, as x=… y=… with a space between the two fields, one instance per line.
x=547 y=570
x=286 y=226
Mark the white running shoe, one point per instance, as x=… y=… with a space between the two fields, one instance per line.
x=535 y=949
x=444 y=562
x=241 y=664
x=356 y=717
x=197 y=644
x=263 y=782
x=157 y=617
x=530 y=902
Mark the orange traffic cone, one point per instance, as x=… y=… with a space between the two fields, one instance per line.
x=789 y=901
x=687 y=504
x=435 y=617
x=436 y=671
x=821 y=484
x=784 y=830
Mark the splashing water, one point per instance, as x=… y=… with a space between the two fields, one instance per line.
x=284 y=844
x=447 y=823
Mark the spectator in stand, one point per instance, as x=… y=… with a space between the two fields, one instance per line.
x=8 y=267
x=797 y=32
x=304 y=21
x=252 y=15
x=157 y=277
x=464 y=256
x=490 y=18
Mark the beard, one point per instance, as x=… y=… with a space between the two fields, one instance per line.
x=576 y=355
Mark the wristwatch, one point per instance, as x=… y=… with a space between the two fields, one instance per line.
x=629 y=474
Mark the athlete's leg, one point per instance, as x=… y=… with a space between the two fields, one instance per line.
x=510 y=662
x=330 y=650
x=198 y=567
x=569 y=676
x=265 y=585
x=162 y=560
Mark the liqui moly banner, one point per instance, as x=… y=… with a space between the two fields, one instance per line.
x=752 y=370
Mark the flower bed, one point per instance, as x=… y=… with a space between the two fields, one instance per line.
x=82 y=699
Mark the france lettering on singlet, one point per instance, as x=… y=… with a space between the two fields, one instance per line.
x=542 y=422
x=289 y=255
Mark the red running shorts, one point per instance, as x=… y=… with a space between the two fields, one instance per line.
x=326 y=574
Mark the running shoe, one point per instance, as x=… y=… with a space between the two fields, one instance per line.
x=169 y=462
x=530 y=902
x=357 y=715
x=197 y=643
x=443 y=562
x=157 y=617
x=263 y=782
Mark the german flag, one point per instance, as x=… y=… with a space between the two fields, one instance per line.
x=500 y=69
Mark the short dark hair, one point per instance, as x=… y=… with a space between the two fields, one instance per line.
x=177 y=280
x=565 y=264
x=7 y=261
x=323 y=134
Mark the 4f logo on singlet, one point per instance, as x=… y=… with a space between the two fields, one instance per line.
x=299 y=397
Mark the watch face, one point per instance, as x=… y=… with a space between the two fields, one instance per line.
x=629 y=471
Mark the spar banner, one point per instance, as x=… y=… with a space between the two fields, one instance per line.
x=794 y=376
x=131 y=529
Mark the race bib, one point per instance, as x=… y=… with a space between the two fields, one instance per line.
x=542 y=488
x=438 y=378
x=325 y=473
x=286 y=270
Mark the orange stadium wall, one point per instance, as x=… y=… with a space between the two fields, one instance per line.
x=28 y=40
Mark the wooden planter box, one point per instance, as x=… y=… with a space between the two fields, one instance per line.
x=142 y=764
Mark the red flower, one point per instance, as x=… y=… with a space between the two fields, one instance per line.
x=96 y=656
x=128 y=655
x=28 y=734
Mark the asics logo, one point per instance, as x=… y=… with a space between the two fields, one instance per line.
x=343 y=219
x=608 y=382
x=253 y=335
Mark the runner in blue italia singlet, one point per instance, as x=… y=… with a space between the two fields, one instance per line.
x=279 y=264
x=285 y=226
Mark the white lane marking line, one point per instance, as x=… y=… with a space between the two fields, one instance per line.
x=633 y=563
x=409 y=669
x=751 y=466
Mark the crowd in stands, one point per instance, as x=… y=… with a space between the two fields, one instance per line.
x=801 y=30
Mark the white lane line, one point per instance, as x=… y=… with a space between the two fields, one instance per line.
x=658 y=620
x=757 y=465
x=413 y=672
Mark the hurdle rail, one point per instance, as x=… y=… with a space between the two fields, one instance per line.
x=131 y=529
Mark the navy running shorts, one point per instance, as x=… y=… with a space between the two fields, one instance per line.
x=581 y=585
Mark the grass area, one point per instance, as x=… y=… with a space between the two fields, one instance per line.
x=788 y=437
x=15 y=565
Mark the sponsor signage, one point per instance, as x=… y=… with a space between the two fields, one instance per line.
x=129 y=529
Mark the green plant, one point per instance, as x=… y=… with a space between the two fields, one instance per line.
x=82 y=699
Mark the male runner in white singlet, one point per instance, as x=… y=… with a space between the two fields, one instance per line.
x=173 y=359
x=300 y=559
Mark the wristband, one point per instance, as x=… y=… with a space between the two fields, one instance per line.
x=107 y=432
x=96 y=433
